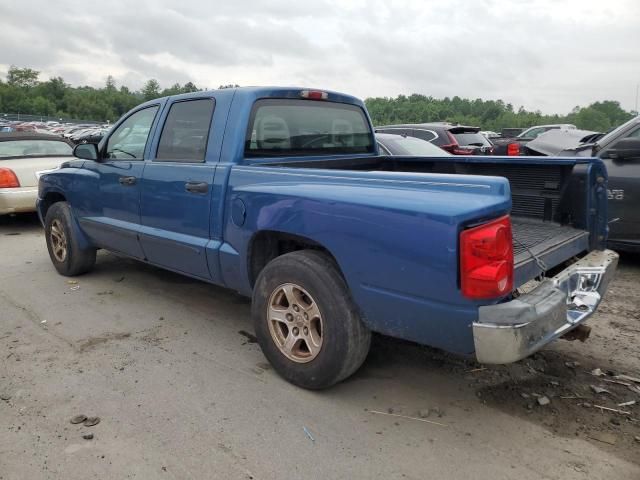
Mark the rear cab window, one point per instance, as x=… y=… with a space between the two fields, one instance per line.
x=34 y=148
x=291 y=127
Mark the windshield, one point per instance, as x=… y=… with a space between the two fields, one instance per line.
x=287 y=127
x=34 y=148
x=472 y=138
x=400 y=145
x=615 y=132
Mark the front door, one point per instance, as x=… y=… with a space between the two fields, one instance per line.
x=177 y=189
x=110 y=210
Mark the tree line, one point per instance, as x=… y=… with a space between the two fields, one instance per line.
x=23 y=92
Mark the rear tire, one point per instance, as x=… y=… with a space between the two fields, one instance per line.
x=66 y=255
x=305 y=321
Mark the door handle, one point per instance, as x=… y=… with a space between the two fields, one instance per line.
x=196 y=187
x=127 y=180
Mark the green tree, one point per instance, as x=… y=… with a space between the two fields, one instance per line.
x=151 y=89
x=22 y=77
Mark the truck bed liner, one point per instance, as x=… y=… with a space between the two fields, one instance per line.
x=548 y=241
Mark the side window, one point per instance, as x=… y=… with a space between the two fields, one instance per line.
x=185 y=132
x=128 y=140
x=427 y=135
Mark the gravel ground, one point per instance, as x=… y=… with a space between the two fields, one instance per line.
x=182 y=390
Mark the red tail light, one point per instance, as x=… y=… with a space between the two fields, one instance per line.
x=486 y=259
x=8 y=179
x=461 y=151
x=513 y=149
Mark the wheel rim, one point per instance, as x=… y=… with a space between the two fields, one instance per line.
x=295 y=323
x=58 y=241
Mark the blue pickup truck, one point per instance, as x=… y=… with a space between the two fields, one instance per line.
x=281 y=194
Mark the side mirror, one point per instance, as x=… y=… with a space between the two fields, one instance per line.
x=626 y=149
x=87 y=151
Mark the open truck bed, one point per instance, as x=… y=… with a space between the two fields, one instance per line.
x=548 y=196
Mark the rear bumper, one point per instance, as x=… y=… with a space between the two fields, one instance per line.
x=17 y=200
x=510 y=331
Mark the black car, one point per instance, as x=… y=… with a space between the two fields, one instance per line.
x=393 y=144
x=455 y=139
x=620 y=151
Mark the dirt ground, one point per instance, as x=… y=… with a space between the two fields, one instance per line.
x=170 y=366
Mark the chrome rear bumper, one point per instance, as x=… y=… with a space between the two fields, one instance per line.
x=510 y=331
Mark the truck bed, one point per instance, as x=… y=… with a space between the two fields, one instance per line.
x=546 y=242
x=547 y=202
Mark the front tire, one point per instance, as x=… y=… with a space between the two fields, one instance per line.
x=305 y=321
x=66 y=255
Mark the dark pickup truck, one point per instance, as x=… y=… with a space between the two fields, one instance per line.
x=620 y=152
x=282 y=195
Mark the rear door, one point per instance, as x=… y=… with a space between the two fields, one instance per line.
x=110 y=209
x=177 y=189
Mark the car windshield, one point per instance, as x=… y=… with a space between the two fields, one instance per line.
x=472 y=138
x=287 y=127
x=616 y=131
x=401 y=145
x=34 y=148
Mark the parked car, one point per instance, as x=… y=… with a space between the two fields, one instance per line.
x=22 y=156
x=516 y=145
x=281 y=194
x=455 y=139
x=393 y=144
x=620 y=151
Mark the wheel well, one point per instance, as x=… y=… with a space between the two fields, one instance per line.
x=49 y=199
x=267 y=245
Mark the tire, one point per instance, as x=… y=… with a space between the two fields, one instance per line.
x=313 y=280
x=67 y=257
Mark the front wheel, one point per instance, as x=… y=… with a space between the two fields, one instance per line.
x=65 y=253
x=305 y=321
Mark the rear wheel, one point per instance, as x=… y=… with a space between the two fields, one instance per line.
x=66 y=255
x=306 y=322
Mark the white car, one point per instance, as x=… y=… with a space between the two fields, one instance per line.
x=22 y=156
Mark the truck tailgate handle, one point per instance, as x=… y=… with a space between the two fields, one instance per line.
x=196 y=187
x=127 y=180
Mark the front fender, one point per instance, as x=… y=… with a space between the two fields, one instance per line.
x=58 y=186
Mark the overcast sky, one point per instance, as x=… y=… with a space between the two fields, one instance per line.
x=543 y=54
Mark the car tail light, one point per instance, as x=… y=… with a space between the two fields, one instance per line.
x=513 y=149
x=314 y=94
x=8 y=179
x=462 y=151
x=455 y=148
x=486 y=259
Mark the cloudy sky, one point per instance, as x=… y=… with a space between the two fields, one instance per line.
x=543 y=54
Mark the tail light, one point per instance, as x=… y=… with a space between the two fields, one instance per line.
x=462 y=151
x=513 y=149
x=8 y=179
x=486 y=260
x=455 y=148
